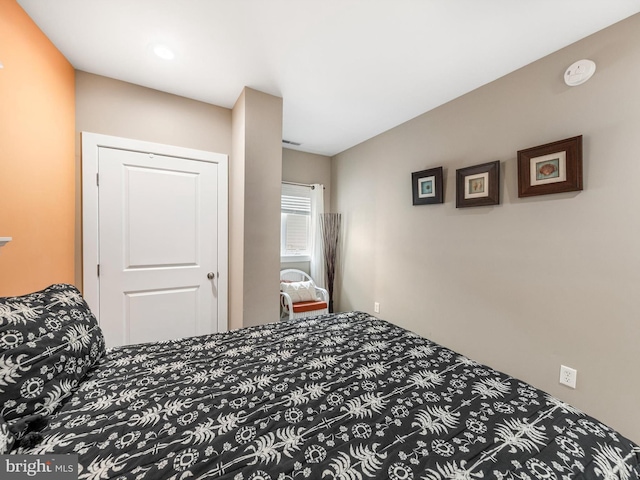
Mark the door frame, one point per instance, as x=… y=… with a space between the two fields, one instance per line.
x=91 y=143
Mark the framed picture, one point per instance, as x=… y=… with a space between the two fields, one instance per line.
x=552 y=168
x=427 y=186
x=478 y=185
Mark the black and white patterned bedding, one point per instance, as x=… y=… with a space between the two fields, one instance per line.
x=49 y=340
x=344 y=396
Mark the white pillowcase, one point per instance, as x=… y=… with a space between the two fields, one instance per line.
x=299 y=291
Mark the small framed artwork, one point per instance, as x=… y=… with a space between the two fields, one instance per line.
x=427 y=186
x=552 y=168
x=478 y=185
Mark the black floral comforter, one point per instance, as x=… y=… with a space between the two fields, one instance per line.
x=344 y=396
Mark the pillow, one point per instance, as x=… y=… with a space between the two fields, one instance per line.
x=6 y=437
x=48 y=342
x=299 y=291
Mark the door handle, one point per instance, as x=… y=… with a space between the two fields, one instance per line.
x=211 y=275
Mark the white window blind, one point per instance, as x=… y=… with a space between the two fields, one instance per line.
x=295 y=220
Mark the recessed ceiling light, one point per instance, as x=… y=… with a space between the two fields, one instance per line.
x=163 y=52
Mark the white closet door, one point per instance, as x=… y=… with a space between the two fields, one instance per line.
x=157 y=222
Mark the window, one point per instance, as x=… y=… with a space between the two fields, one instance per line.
x=295 y=223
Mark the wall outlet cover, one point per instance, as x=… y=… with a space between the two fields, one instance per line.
x=568 y=376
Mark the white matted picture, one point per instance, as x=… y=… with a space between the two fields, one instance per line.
x=478 y=185
x=427 y=186
x=552 y=168
x=547 y=169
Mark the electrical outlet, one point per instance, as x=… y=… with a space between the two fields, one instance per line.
x=568 y=376
x=376 y=307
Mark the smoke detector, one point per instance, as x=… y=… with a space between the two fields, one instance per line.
x=579 y=72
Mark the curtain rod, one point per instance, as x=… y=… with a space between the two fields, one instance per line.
x=301 y=184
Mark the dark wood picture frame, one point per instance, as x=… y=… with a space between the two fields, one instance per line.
x=427 y=186
x=551 y=168
x=485 y=179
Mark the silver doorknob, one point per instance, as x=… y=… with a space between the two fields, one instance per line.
x=211 y=275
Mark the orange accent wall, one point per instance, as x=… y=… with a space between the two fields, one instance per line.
x=37 y=169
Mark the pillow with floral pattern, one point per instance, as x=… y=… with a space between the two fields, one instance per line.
x=48 y=342
x=6 y=437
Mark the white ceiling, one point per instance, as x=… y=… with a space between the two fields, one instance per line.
x=346 y=69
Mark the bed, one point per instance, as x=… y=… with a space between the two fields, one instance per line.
x=338 y=396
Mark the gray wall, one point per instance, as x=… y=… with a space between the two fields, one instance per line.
x=532 y=283
x=256 y=174
x=112 y=107
x=302 y=167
